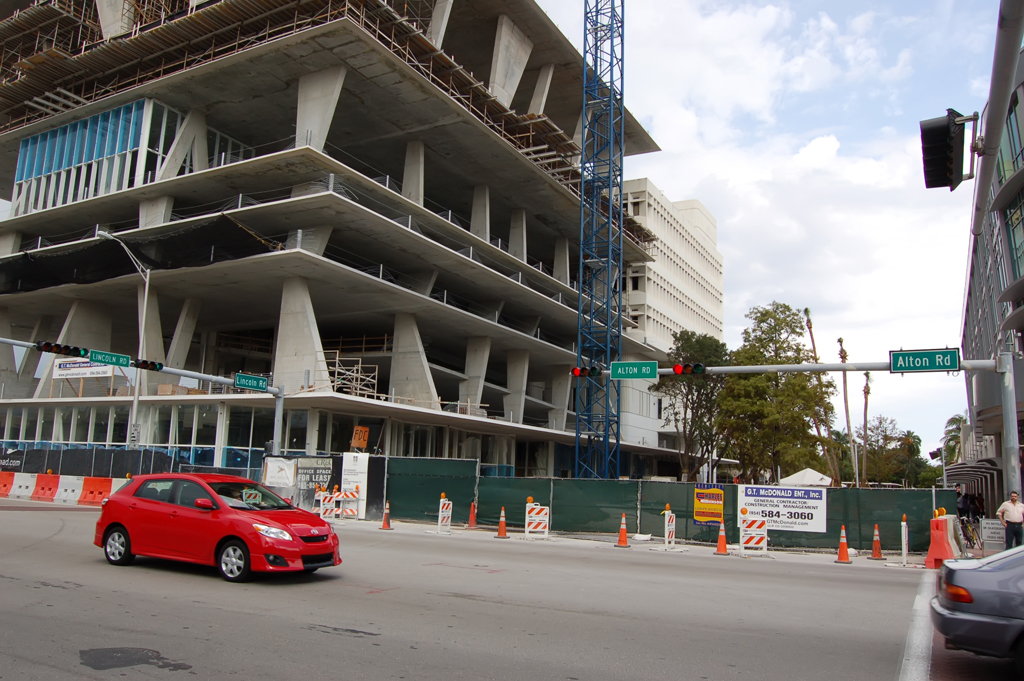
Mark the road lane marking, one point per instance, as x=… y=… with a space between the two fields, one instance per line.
x=916 y=664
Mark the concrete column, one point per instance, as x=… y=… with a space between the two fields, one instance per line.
x=480 y=221
x=183 y=332
x=154 y=340
x=10 y=243
x=313 y=240
x=561 y=269
x=312 y=431
x=40 y=332
x=439 y=22
x=412 y=178
x=155 y=211
x=318 y=99
x=478 y=352
x=8 y=365
x=540 y=92
x=116 y=17
x=517 y=235
x=220 y=440
x=511 y=52
x=410 y=373
x=423 y=282
x=191 y=137
x=88 y=324
x=561 y=385
x=298 y=347
x=518 y=368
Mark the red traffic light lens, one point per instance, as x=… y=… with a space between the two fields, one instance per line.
x=678 y=368
x=577 y=372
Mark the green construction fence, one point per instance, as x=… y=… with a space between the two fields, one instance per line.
x=414 y=488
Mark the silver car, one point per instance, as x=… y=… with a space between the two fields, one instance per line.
x=980 y=605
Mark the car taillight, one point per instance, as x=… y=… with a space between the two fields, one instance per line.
x=957 y=594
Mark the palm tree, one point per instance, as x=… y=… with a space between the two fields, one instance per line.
x=910 y=443
x=828 y=451
x=849 y=428
x=951 y=436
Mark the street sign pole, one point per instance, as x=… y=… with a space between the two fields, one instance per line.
x=1011 y=444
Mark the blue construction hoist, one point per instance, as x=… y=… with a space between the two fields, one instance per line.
x=599 y=341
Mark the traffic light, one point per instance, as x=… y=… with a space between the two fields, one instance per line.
x=148 y=365
x=593 y=371
x=688 y=369
x=942 y=146
x=58 y=349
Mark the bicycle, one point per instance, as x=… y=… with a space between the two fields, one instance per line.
x=970 y=534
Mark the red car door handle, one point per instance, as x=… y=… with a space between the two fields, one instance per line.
x=174 y=514
x=131 y=507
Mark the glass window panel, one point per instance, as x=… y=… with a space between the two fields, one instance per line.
x=321 y=432
x=206 y=424
x=14 y=425
x=161 y=425
x=297 y=429
x=239 y=426
x=81 y=427
x=119 y=430
x=156 y=125
x=236 y=458
x=99 y=425
x=262 y=427
x=341 y=433
x=189 y=491
x=45 y=428
x=186 y=423
x=137 y=115
x=170 y=127
x=30 y=416
x=202 y=456
x=19 y=173
x=63 y=433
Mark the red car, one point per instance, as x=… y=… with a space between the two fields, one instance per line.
x=223 y=520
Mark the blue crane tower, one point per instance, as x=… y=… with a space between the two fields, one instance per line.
x=599 y=341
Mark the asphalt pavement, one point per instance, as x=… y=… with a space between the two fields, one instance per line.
x=409 y=604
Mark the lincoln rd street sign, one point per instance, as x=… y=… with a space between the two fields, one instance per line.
x=101 y=357
x=920 y=361
x=251 y=382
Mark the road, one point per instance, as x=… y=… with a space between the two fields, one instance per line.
x=411 y=605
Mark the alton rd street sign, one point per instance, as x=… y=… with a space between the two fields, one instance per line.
x=919 y=361
x=251 y=382
x=101 y=357
x=622 y=370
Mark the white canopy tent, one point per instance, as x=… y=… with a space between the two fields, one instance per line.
x=808 y=477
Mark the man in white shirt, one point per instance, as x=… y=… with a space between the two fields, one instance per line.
x=1011 y=513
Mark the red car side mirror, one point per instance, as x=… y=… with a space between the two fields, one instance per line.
x=204 y=504
x=288 y=501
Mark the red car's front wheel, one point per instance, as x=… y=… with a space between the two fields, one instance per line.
x=233 y=561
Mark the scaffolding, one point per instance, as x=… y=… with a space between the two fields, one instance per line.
x=350 y=376
x=44 y=76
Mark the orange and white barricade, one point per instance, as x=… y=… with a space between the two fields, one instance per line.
x=329 y=505
x=444 y=516
x=349 y=503
x=670 y=528
x=753 y=536
x=537 y=520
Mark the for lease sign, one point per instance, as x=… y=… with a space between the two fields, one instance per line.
x=793 y=509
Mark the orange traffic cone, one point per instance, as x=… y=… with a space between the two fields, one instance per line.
x=472 y=515
x=502 y=534
x=387 y=516
x=722 y=549
x=876 y=547
x=623 y=539
x=844 y=552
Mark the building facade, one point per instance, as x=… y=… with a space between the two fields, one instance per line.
x=993 y=314
x=374 y=204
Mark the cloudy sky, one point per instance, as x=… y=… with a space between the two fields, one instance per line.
x=796 y=124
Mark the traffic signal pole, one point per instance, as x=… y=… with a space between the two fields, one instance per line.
x=1003 y=365
x=277 y=392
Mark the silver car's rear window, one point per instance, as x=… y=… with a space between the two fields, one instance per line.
x=1006 y=560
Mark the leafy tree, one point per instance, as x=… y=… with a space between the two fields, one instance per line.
x=690 y=402
x=910 y=446
x=766 y=419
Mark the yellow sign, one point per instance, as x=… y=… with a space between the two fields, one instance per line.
x=360 y=437
x=708 y=504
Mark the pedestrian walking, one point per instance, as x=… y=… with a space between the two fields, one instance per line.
x=1011 y=513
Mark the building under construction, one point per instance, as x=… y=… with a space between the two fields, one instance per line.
x=374 y=203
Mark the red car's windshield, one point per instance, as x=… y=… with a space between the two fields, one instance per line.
x=248 y=496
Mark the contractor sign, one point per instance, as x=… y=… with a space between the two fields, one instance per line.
x=794 y=509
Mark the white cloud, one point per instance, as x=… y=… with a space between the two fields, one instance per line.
x=791 y=129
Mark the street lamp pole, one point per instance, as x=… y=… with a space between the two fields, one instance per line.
x=135 y=429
